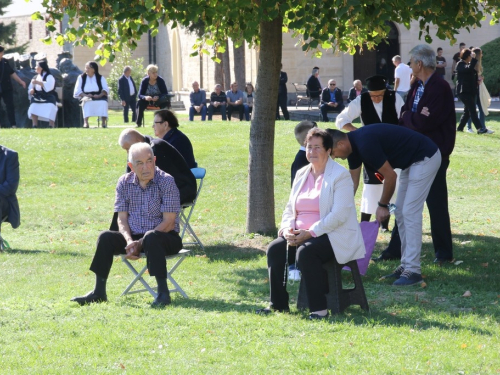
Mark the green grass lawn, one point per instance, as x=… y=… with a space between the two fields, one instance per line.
x=66 y=196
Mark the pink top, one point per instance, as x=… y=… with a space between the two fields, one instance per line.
x=358 y=92
x=307 y=203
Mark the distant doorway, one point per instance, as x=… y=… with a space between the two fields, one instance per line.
x=378 y=61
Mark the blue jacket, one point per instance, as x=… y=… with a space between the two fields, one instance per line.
x=124 y=90
x=9 y=181
x=161 y=85
x=325 y=96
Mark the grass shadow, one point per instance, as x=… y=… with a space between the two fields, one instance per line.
x=34 y=251
x=228 y=253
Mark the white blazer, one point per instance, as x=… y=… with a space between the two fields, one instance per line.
x=336 y=210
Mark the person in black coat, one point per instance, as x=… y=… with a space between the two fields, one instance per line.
x=6 y=73
x=356 y=90
x=127 y=91
x=300 y=131
x=331 y=100
x=9 y=181
x=153 y=92
x=313 y=84
x=282 y=97
x=467 y=90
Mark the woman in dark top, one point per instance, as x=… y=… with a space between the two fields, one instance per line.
x=467 y=90
x=152 y=93
x=166 y=127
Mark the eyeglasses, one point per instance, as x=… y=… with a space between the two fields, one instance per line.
x=333 y=84
x=159 y=122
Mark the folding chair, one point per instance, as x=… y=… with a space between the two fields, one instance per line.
x=199 y=174
x=4 y=245
x=138 y=275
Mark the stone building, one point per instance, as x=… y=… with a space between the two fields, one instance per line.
x=171 y=50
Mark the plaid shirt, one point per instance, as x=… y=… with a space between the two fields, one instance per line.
x=418 y=95
x=145 y=207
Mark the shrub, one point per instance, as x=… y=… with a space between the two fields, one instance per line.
x=491 y=57
x=122 y=60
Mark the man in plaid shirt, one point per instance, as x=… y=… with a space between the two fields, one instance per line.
x=148 y=206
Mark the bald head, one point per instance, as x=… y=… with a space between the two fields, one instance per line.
x=128 y=137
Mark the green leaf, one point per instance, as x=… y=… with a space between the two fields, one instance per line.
x=37 y=16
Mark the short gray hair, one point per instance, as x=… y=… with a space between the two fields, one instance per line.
x=425 y=54
x=126 y=69
x=137 y=148
x=315 y=71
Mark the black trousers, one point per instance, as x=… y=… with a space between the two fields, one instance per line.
x=143 y=104
x=8 y=99
x=282 y=103
x=310 y=258
x=156 y=245
x=470 y=111
x=232 y=108
x=132 y=104
x=4 y=208
x=437 y=203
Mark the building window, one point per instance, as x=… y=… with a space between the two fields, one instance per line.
x=47 y=32
x=30 y=30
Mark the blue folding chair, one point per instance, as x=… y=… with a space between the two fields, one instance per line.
x=187 y=210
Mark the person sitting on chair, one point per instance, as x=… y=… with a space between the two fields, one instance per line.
x=9 y=181
x=152 y=93
x=166 y=126
x=218 y=102
x=356 y=90
x=318 y=224
x=313 y=84
x=234 y=101
x=331 y=100
x=43 y=97
x=198 y=102
x=148 y=206
x=92 y=89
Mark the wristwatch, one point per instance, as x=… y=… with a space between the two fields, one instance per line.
x=383 y=205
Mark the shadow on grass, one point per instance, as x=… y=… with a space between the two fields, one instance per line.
x=228 y=253
x=34 y=251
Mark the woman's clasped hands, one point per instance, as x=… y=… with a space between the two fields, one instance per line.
x=296 y=237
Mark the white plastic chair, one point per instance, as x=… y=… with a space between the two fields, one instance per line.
x=187 y=210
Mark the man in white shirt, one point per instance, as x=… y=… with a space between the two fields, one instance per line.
x=378 y=105
x=402 y=77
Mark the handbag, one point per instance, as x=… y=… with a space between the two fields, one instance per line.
x=485 y=98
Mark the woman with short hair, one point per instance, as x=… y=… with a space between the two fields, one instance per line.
x=152 y=93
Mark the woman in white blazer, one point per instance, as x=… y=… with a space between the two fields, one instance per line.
x=318 y=223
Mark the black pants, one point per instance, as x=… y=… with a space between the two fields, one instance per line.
x=132 y=104
x=282 y=102
x=4 y=208
x=310 y=258
x=8 y=99
x=470 y=111
x=143 y=104
x=156 y=245
x=221 y=109
x=232 y=108
x=437 y=203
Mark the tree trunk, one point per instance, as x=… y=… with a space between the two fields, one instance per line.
x=239 y=66
x=226 y=68
x=260 y=209
x=218 y=76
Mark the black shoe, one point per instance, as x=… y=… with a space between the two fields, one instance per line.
x=317 y=317
x=384 y=257
x=441 y=261
x=269 y=310
x=89 y=298
x=162 y=300
x=482 y=131
x=460 y=129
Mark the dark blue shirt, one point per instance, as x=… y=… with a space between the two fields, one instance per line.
x=378 y=143
x=182 y=143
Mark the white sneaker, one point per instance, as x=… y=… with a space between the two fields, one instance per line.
x=489 y=131
x=469 y=130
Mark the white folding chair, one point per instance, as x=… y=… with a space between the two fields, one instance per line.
x=199 y=174
x=152 y=290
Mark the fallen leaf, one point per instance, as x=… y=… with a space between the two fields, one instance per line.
x=484 y=264
x=463 y=346
x=467 y=294
x=88 y=208
x=52 y=185
x=458 y=262
x=423 y=285
x=122 y=366
x=202 y=350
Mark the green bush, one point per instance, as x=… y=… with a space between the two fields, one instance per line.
x=122 y=60
x=491 y=57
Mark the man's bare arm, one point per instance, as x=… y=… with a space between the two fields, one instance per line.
x=355 y=174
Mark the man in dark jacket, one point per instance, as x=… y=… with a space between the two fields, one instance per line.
x=127 y=92
x=430 y=110
x=331 y=100
x=6 y=73
x=282 y=97
x=9 y=181
x=356 y=90
x=313 y=84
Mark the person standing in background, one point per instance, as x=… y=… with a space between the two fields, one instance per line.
x=440 y=63
x=282 y=97
x=127 y=92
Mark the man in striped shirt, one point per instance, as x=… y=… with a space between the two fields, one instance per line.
x=148 y=205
